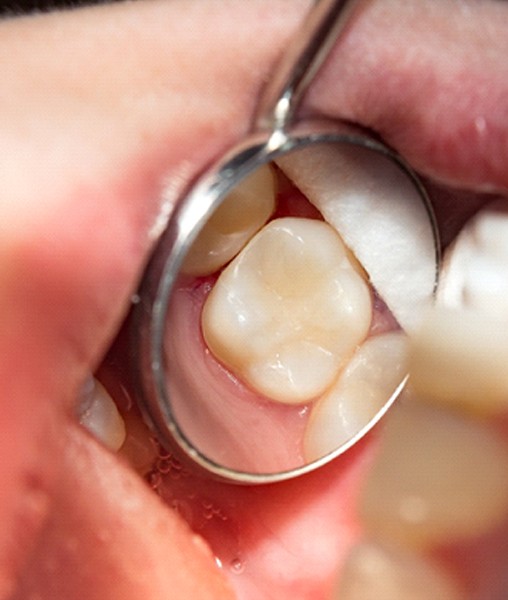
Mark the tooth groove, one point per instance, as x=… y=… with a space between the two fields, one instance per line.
x=288 y=311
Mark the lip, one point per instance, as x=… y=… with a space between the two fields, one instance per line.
x=45 y=381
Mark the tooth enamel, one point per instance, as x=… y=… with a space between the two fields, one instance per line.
x=459 y=357
x=438 y=478
x=374 y=571
x=288 y=311
x=363 y=389
x=99 y=415
x=475 y=271
x=379 y=215
x=243 y=212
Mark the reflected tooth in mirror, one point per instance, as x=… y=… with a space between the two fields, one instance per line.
x=375 y=571
x=98 y=413
x=438 y=478
x=475 y=266
x=241 y=214
x=380 y=216
x=289 y=310
x=372 y=377
x=459 y=357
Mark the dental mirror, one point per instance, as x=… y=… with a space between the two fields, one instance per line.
x=270 y=332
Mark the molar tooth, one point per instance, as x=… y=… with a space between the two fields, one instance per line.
x=99 y=415
x=438 y=478
x=362 y=390
x=475 y=267
x=289 y=310
x=459 y=358
x=243 y=212
x=379 y=215
x=375 y=571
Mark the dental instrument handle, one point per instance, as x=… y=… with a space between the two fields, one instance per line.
x=299 y=65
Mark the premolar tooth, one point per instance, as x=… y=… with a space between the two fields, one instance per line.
x=459 y=357
x=99 y=415
x=289 y=310
x=243 y=212
x=375 y=571
x=475 y=271
x=363 y=389
x=380 y=216
x=438 y=478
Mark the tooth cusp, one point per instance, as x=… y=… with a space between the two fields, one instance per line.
x=288 y=311
x=363 y=390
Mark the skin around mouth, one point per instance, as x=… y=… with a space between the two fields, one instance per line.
x=65 y=501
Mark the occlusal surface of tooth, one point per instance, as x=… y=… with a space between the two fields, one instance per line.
x=380 y=215
x=363 y=390
x=459 y=358
x=475 y=266
x=98 y=413
x=375 y=571
x=438 y=478
x=289 y=310
x=243 y=212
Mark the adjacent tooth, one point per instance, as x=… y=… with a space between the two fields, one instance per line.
x=374 y=571
x=243 y=212
x=289 y=311
x=459 y=358
x=99 y=415
x=364 y=389
x=438 y=478
x=475 y=269
x=380 y=216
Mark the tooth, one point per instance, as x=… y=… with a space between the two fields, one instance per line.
x=475 y=270
x=99 y=415
x=288 y=311
x=243 y=212
x=363 y=390
x=379 y=215
x=459 y=357
x=375 y=571
x=438 y=478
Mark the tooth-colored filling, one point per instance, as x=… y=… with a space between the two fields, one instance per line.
x=243 y=212
x=375 y=571
x=365 y=386
x=289 y=311
x=379 y=215
x=439 y=478
x=98 y=413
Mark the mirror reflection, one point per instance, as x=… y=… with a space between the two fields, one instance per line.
x=285 y=336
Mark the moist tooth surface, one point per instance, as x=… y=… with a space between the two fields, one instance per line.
x=373 y=375
x=243 y=212
x=288 y=312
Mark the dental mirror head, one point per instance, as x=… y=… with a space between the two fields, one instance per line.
x=270 y=332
